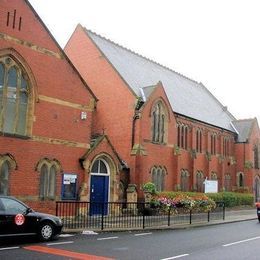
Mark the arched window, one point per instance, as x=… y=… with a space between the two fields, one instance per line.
x=185 y=180
x=158 y=177
x=4 y=178
x=14 y=97
x=227 y=183
x=213 y=176
x=7 y=164
x=199 y=141
x=240 y=179
x=213 y=138
x=48 y=178
x=199 y=181
x=158 y=123
x=256 y=156
x=182 y=137
x=99 y=167
x=226 y=147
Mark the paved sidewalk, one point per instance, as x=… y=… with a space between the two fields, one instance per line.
x=230 y=217
x=240 y=215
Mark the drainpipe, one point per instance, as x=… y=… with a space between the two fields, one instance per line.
x=139 y=104
x=133 y=128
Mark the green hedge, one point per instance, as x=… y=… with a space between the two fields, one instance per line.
x=233 y=199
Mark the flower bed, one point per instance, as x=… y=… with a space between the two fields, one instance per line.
x=182 y=202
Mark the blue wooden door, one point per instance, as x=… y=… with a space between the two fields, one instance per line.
x=99 y=195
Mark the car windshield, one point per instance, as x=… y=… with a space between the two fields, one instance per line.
x=13 y=207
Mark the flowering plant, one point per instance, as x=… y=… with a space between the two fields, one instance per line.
x=182 y=201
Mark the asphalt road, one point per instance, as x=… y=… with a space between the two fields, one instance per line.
x=238 y=240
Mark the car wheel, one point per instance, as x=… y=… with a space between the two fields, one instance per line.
x=46 y=231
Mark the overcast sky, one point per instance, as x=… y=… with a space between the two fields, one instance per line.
x=216 y=42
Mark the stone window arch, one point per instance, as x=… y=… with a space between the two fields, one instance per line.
x=213 y=176
x=159 y=122
x=7 y=164
x=15 y=97
x=48 y=170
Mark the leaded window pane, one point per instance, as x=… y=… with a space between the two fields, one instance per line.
x=103 y=168
x=94 y=168
x=12 y=78
x=4 y=176
x=44 y=181
x=199 y=179
x=163 y=176
x=52 y=182
x=154 y=176
x=9 y=116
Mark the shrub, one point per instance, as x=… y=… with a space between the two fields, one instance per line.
x=232 y=199
x=149 y=187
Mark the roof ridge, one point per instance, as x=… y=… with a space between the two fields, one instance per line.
x=140 y=55
x=245 y=119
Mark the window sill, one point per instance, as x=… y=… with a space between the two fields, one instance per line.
x=15 y=136
x=158 y=143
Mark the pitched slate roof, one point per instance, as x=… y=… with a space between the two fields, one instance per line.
x=244 y=128
x=187 y=97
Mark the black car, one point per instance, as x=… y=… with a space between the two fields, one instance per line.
x=16 y=219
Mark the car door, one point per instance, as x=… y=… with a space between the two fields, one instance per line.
x=2 y=219
x=18 y=220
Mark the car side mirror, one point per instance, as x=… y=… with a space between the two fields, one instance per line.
x=28 y=210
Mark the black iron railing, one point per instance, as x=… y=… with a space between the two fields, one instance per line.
x=117 y=215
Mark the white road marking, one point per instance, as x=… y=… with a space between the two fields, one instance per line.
x=143 y=234
x=60 y=243
x=174 y=257
x=241 y=241
x=89 y=232
x=66 y=235
x=9 y=248
x=106 y=238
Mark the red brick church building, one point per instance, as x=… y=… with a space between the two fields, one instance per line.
x=46 y=117
x=169 y=129
x=87 y=125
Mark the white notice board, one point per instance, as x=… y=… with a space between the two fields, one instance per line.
x=211 y=186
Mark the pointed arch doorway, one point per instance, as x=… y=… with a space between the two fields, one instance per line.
x=99 y=187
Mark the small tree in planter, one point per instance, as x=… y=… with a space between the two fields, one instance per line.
x=149 y=190
x=149 y=187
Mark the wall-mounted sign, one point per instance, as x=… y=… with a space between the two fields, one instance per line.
x=211 y=186
x=69 y=186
